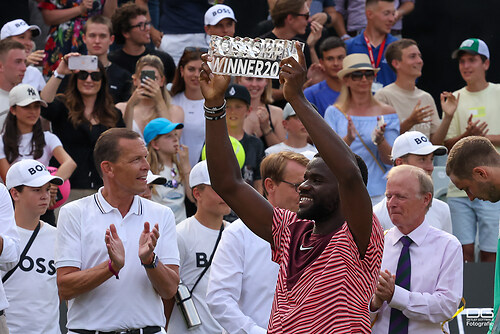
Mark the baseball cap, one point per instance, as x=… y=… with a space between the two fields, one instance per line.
x=159 y=126
x=24 y=94
x=155 y=179
x=199 y=174
x=30 y=173
x=17 y=27
x=474 y=46
x=414 y=142
x=218 y=12
x=240 y=92
x=288 y=111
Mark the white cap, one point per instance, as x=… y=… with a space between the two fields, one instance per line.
x=199 y=174
x=218 y=12
x=155 y=179
x=17 y=27
x=288 y=111
x=414 y=142
x=24 y=94
x=30 y=173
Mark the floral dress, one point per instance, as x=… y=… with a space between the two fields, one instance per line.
x=65 y=37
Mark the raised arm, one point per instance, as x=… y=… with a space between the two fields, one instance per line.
x=355 y=201
x=225 y=174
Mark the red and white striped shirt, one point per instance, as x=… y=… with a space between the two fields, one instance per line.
x=333 y=292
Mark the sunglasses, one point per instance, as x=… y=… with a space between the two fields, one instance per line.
x=141 y=26
x=83 y=75
x=306 y=15
x=358 y=75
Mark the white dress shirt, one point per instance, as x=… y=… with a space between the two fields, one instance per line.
x=242 y=281
x=438 y=215
x=11 y=245
x=436 y=279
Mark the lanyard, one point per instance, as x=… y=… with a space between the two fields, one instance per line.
x=370 y=51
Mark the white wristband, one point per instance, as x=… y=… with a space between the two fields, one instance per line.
x=58 y=76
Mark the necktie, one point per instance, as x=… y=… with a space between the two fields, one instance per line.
x=399 y=322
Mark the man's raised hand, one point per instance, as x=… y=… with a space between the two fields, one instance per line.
x=147 y=243
x=213 y=86
x=293 y=74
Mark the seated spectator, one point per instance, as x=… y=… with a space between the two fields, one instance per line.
x=13 y=64
x=23 y=138
x=414 y=148
x=296 y=135
x=238 y=106
x=290 y=18
x=32 y=289
x=264 y=120
x=242 y=263
x=375 y=39
x=197 y=238
x=421 y=277
x=19 y=31
x=78 y=118
x=356 y=117
x=323 y=94
x=219 y=21
x=131 y=29
x=162 y=140
x=415 y=108
x=66 y=18
x=186 y=93
x=150 y=99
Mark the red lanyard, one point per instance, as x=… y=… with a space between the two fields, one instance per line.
x=370 y=51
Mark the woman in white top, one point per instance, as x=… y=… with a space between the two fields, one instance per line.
x=264 y=121
x=186 y=93
x=23 y=137
x=150 y=99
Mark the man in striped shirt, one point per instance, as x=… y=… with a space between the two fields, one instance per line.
x=330 y=251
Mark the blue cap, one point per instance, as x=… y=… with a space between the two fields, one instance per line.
x=159 y=126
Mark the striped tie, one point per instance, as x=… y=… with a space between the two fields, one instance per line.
x=399 y=322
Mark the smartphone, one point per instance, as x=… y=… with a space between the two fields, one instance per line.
x=85 y=63
x=147 y=74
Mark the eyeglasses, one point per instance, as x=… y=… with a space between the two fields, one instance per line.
x=141 y=25
x=306 y=15
x=83 y=75
x=358 y=75
x=294 y=185
x=195 y=49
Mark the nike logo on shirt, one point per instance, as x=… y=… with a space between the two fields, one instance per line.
x=302 y=248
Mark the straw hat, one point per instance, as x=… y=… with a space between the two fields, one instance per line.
x=356 y=62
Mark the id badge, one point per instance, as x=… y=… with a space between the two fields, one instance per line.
x=376 y=86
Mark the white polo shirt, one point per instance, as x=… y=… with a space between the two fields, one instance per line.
x=127 y=303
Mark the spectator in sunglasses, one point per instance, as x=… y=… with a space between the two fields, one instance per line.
x=78 y=118
x=368 y=126
x=131 y=27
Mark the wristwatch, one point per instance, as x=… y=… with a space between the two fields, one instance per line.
x=153 y=264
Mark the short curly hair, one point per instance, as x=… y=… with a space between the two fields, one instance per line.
x=121 y=20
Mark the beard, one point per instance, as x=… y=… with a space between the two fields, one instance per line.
x=319 y=210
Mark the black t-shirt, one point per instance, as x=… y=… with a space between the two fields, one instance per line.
x=254 y=153
x=79 y=142
x=119 y=83
x=128 y=62
x=248 y=14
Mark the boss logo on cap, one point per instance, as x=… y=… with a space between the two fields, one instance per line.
x=420 y=140
x=20 y=24
x=220 y=11
x=31 y=92
x=37 y=168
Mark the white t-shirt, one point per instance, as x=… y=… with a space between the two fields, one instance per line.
x=34 y=77
x=4 y=107
x=32 y=288
x=51 y=142
x=196 y=243
x=284 y=147
x=193 y=133
x=171 y=193
x=438 y=215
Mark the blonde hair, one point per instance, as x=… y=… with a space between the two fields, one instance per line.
x=153 y=61
x=155 y=162
x=267 y=94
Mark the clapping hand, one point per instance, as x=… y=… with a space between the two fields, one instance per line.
x=147 y=243
x=115 y=248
